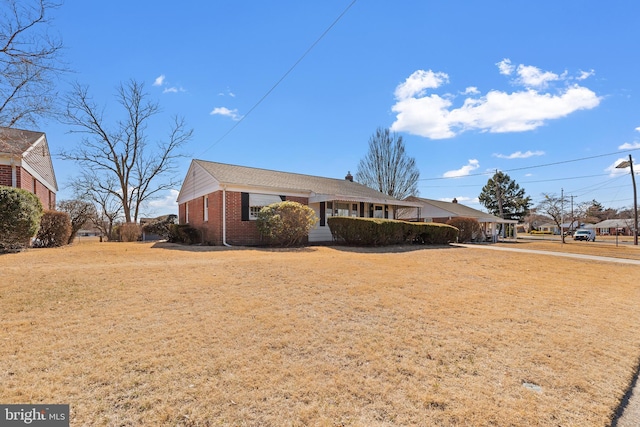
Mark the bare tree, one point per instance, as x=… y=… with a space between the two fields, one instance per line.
x=554 y=206
x=108 y=209
x=122 y=161
x=387 y=168
x=80 y=212
x=30 y=59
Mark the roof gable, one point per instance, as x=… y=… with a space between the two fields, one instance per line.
x=33 y=151
x=454 y=209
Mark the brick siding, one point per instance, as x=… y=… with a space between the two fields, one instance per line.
x=25 y=181
x=238 y=232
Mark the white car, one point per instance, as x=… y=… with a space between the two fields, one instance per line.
x=588 y=235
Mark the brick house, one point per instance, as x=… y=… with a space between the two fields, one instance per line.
x=440 y=211
x=25 y=162
x=222 y=200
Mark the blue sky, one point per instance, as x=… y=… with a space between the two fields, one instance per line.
x=546 y=91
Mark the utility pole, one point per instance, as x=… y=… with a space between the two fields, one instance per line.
x=635 y=197
x=562 y=214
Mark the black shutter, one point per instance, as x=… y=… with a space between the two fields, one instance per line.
x=322 y=214
x=245 y=206
x=361 y=209
x=386 y=211
x=283 y=198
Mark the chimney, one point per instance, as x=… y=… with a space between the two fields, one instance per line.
x=349 y=177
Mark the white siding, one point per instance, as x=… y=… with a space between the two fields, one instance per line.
x=318 y=233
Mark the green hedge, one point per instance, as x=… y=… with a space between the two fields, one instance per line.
x=20 y=213
x=185 y=234
x=382 y=232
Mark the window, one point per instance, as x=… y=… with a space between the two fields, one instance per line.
x=186 y=213
x=342 y=209
x=258 y=201
x=378 y=211
x=206 y=208
x=253 y=211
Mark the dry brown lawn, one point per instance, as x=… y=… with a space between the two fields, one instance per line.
x=159 y=334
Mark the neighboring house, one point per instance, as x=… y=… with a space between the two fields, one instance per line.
x=615 y=226
x=439 y=211
x=25 y=162
x=222 y=200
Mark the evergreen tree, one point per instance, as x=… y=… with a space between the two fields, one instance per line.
x=504 y=198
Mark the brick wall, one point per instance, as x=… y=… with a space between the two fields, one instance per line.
x=25 y=181
x=5 y=175
x=238 y=232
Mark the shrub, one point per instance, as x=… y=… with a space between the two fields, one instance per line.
x=55 y=229
x=20 y=213
x=286 y=223
x=382 y=232
x=184 y=233
x=160 y=225
x=432 y=233
x=470 y=229
x=129 y=232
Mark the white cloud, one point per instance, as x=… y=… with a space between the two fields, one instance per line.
x=530 y=76
x=463 y=171
x=173 y=89
x=585 y=75
x=165 y=205
x=224 y=111
x=520 y=155
x=471 y=90
x=505 y=67
x=159 y=81
x=638 y=129
x=418 y=82
x=433 y=115
x=629 y=146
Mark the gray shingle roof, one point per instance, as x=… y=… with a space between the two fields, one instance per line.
x=455 y=208
x=17 y=141
x=243 y=175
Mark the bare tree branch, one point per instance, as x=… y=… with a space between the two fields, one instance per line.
x=29 y=62
x=125 y=164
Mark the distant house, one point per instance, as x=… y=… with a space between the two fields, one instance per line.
x=612 y=227
x=222 y=200
x=25 y=162
x=439 y=211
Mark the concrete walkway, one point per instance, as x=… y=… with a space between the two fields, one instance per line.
x=628 y=413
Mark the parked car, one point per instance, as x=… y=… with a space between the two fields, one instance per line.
x=588 y=235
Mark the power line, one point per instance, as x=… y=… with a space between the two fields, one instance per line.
x=284 y=76
x=535 y=166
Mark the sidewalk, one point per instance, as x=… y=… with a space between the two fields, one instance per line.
x=628 y=412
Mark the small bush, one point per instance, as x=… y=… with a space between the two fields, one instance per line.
x=129 y=232
x=470 y=230
x=286 y=223
x=20 y=213
x=160 y=226
x=55 y=229
x=184 y=234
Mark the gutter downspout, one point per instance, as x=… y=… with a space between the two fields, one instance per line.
x=14 y=176
x=224 y=217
